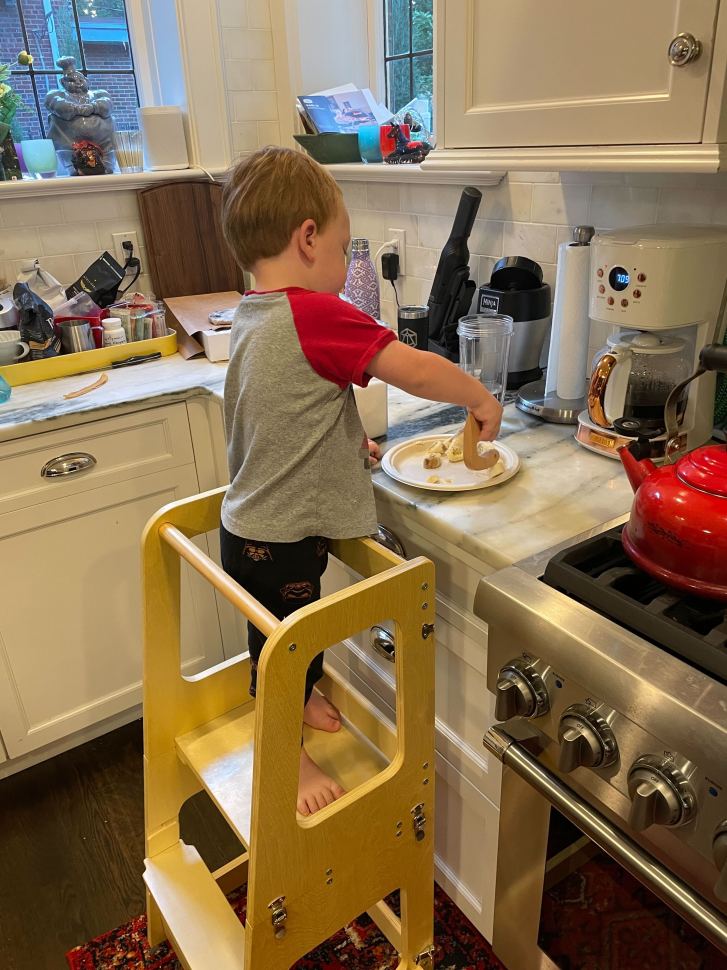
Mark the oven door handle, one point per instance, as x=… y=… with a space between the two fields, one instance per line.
x=691 y=907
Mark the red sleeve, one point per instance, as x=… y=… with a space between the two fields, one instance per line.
x=338 y=340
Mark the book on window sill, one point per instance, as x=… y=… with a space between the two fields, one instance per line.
x=341 y=110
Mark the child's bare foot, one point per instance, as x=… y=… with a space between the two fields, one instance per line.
x=319 y=713
x=315 y=788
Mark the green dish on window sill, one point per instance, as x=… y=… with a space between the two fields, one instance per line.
x=331 y=148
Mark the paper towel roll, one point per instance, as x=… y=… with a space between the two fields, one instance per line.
x=568 y=359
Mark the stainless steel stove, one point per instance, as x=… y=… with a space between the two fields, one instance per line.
x=612 y=691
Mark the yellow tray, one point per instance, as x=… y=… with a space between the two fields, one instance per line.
x=31 y=371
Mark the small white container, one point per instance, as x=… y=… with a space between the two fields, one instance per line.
x=165 y=144
x=113 y=332
x=373 y=407
x=216 y=344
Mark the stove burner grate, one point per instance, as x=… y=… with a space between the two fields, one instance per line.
x=598 y=573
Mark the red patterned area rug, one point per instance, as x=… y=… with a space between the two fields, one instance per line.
x=360 y=946
x=598 y=918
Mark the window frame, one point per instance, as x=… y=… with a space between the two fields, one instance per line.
x=411 y=55
x=32 y=72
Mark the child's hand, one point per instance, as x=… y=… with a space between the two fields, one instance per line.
x=488 y=416
x=374 y=453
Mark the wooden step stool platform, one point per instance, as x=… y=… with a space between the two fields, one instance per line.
x=306 y=877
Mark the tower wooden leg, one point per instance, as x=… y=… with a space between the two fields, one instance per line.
x=155 y=931
x=417 y=909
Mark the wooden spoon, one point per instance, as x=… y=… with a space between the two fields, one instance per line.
x=472 y=458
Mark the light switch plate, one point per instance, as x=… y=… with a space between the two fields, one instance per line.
x=122 y=237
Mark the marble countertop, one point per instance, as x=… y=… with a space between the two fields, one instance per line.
x=560 y=491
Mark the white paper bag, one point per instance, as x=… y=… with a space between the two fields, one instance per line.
x=43 y=284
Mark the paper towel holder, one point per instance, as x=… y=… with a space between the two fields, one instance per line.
x=532 y=398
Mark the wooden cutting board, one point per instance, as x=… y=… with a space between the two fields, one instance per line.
x=185 y=248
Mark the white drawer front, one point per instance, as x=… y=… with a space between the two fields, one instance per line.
x=125 y=447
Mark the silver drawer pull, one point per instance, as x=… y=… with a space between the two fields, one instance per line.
x=388 y=540
x=70 y=464
x=383 y=643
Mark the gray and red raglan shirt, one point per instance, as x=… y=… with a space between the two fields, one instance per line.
x=297 y=452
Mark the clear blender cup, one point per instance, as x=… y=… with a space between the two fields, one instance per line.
x=484 y=345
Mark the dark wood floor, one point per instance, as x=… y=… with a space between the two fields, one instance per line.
x=72 y=848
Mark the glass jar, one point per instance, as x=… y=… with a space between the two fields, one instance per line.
x=484 y=345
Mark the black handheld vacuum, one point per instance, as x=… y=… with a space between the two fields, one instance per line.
x=452 y=289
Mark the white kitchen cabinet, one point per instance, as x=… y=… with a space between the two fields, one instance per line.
x=533 y=75
x=70 y=615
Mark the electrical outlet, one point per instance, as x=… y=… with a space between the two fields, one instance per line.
x=400 y=248
x=121 y=237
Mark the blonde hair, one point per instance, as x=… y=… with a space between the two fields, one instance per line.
x=269 y=194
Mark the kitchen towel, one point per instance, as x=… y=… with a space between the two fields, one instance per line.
x=568 y=358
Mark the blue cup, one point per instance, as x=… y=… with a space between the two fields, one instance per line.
x=369 y=143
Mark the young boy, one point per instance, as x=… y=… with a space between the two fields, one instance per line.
x=299 y=460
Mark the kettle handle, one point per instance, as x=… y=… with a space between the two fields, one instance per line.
x=713 y=357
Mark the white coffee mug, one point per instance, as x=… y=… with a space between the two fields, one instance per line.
x=12 y=348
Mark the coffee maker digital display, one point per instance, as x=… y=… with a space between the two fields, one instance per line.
x=619 y=278
x=672 y=285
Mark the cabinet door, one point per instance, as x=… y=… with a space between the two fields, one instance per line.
x=70 y=619
x=528 y=73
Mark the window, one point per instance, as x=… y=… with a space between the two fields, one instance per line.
x=408 y=51
x=95 y=32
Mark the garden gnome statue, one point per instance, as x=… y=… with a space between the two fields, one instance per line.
x=80 y=122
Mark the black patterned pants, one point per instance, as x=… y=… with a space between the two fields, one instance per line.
x=283 y=576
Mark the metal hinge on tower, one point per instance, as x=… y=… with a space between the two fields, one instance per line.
x=426 y=958
x=279 y=915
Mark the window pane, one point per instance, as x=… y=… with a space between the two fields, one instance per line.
x=423 y=76
x=122 y=89
x=397 y=26
x=104 y=34
x=11 y=36
x=26 y=123
x=398 y=84
x=51 y=32
x=422 y=26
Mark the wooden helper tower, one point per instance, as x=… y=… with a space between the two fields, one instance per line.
x=306 y=877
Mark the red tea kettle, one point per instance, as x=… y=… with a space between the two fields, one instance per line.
x=677 y=531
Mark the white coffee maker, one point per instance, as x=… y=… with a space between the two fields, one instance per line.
x=663 y=290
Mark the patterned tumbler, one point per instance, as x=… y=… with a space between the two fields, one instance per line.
x=362 y=281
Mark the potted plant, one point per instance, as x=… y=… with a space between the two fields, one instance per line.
x=9 y=104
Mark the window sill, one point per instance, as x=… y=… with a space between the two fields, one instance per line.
x=425 y=174
x=45 y=188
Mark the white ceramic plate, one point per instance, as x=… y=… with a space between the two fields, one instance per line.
x=404 y=463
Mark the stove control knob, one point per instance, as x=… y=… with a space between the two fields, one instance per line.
x=586 y=740
x=520 y=691
x=719 y=851
x=660 y=794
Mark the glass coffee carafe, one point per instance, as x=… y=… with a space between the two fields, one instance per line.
x=633 y=375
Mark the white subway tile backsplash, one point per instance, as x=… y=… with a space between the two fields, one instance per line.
x=558 y=204
x=486 y=238
x=434 y=230
x=354 y=194
x=263 y=75
x=421 y=262
x=687 y=205
x=527 y=239
x=258 y=13
x=239 y=75
x=268 y=133
x=370 y=225
x=383 y=196
x=254 y=106
x=20 y=244
x=244 y=136
x=106 y=228
x=62 y=240
x=233 y=13
x=615 y=206
x=27 y=213
x=436 y=200
x=507 y=202
x=94 y=206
